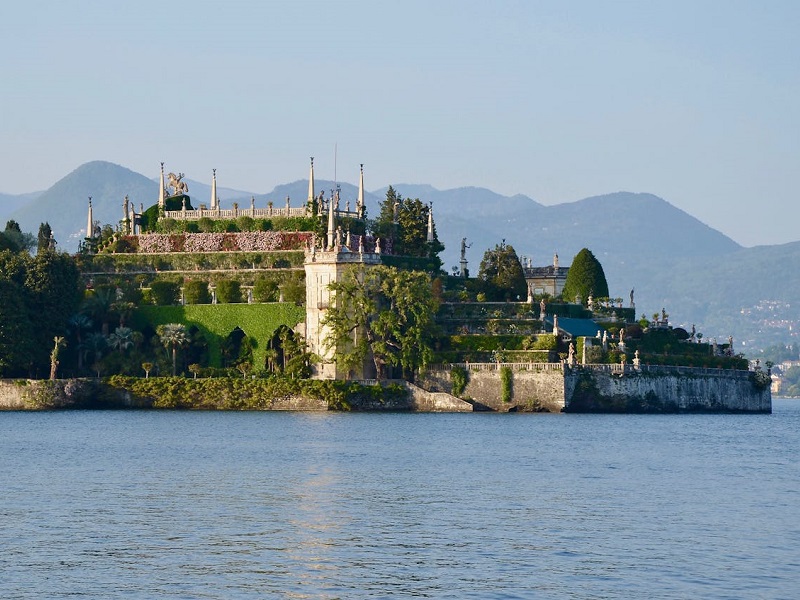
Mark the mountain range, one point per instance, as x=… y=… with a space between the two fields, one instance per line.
x=670 y=258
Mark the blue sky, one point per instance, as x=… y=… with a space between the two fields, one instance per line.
x=696 y=102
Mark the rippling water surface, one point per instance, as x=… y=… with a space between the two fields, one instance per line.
x=292 y=505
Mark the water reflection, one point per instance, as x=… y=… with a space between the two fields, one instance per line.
x=218 y=505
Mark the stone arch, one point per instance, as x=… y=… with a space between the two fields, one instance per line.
x=283 y=344
x=236 y=347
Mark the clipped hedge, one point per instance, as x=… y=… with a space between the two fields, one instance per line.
x=196 y=292
x=231 y=393
x=164 y=293
x=216 y=321
x=229 y=291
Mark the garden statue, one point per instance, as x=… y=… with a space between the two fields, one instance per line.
x=178 y=186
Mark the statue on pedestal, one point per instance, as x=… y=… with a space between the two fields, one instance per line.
x=178 y=186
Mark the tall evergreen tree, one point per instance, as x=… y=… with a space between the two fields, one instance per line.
x=43 y=239
x=405 y=222
x=585 y=277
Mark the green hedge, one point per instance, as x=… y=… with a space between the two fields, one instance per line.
x=242 y=223
x=196 y=292
x=229 y=291
x=232 y=393
x=216 y=321
x=164 y=293
x=195 y=261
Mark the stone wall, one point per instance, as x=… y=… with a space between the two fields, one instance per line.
x=609 y=388
x=665 y=390
x=13 y=394
x=531 y=390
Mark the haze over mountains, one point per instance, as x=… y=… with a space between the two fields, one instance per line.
x=671 y=259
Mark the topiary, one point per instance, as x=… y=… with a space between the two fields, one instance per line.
x=585 y=277
x=229 y=291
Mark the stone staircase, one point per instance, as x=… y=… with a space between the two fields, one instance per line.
x=424 y=401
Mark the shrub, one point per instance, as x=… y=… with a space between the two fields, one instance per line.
x=458 y=375
x=164 y=293
x=125 y=244
x=245 y=223
x=265 y=290
x=294 y=291
x=205 y=225
x=542 y=341
x=196 y=292
x=229 y=291
x=506 y=382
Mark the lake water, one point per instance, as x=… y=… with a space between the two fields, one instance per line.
x=328 y=505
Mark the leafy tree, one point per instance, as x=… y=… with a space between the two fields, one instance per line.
x=14 y=239
x=54 y=293
x=194 y=369
x=147 y=367
x=501 y=274
x=16 y=331
x=173 y=336
x=585 y=277
x=383 y=312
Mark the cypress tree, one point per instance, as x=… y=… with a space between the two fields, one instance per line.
x=585 y=277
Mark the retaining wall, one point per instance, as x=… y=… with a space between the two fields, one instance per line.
x=608 y=388
x=665 y=390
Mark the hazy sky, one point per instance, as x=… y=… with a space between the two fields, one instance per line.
x=697 y=102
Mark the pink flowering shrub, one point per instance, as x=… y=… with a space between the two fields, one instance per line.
x=154 y=242
x=203 y=242
x=250 y=241
x=259 y=241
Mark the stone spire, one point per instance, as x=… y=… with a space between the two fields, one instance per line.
x=126 y=223
x=161 y=189
x=90 y=221
x=311 y=196
x=331 y=223
x=430 y=224
x=360 y=201
x=214 y=200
